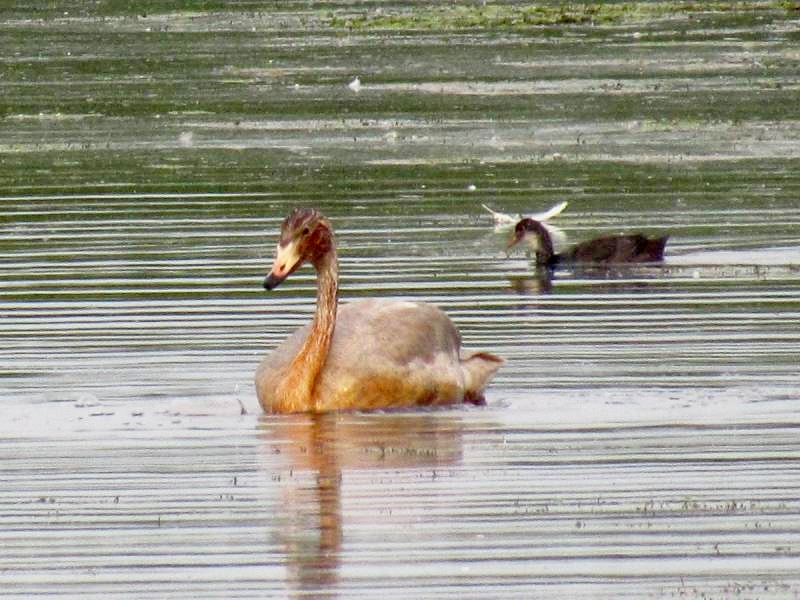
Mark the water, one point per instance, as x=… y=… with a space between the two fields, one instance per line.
x=641 y=440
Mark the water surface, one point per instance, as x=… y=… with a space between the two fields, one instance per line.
x=642 y=439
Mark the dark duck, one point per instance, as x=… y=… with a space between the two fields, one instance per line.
x=603 y=251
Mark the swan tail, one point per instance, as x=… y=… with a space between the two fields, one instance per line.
x=478 y=369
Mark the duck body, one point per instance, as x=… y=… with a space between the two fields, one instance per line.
x=607 y=250
x=367 y=355
x=614 y=249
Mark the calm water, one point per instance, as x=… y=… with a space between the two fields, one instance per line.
x=643 y=439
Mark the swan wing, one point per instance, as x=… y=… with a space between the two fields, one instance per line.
x=389 y=354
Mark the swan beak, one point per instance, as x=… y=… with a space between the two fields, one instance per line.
x=271 y=282
x=286 y=262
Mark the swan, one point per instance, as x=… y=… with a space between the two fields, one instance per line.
x=612 y=249
x=367 y=355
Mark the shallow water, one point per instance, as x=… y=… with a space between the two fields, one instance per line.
x=642 y=439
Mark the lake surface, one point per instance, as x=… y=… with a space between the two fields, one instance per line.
x=643 y=438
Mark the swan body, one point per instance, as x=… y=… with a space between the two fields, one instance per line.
x=608 y=250
x=365 y=355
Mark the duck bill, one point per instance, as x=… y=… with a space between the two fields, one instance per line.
x=515 y=239
x=286 y=262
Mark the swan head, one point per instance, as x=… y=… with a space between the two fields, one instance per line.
x=306 y=236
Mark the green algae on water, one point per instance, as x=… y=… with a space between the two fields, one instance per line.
x=515 y=16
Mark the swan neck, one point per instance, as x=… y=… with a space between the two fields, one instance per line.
x=327 y=300
x=311 y=359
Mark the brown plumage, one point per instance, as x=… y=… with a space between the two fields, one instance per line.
x=371 y=354
x=608 y=250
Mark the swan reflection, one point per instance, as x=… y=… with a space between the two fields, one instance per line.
x=318 y=457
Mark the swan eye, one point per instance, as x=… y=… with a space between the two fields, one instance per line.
x=306 y=231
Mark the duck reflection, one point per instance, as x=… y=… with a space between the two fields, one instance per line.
x=540 y=282
x=606 y=279
x=314 y=453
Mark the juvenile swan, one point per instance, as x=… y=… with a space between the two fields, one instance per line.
x=370 y=354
